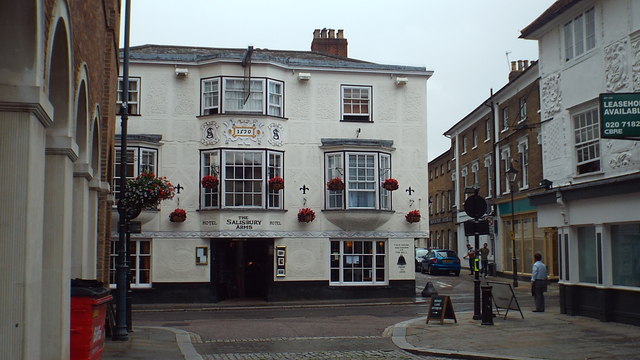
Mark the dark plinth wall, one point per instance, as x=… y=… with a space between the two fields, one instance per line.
x=605 y=304
x=277 y=291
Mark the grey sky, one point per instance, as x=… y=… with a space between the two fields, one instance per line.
x=464 y=42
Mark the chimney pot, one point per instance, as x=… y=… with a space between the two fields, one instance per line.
x=316 y=33
x=513 y=66
x=332 y=34
x=340 y=34
x=526 y=64
x=323 y=33
x=520 y=65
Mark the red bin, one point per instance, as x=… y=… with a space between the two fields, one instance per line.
x=89 y=301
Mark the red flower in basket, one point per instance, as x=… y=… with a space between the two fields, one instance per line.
x=276 y=183
x=178 y=215
x=306 y=215
x=413 y=216
x=209 y=182
x=390 y=184
x=335 y=184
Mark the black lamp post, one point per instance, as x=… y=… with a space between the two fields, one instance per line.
x=121 y=332
x=512 y=175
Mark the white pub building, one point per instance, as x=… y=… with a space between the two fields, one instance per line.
x=255 y=119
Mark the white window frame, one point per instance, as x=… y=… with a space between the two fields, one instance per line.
x=487 y=130
x=488 y=164
x=144 y=159
x=275 y=94
x=134 y=95
x=134 y=260
x=586 y=128
x=523 y=155
x=464 y=144
x=210 y=91
x=505 y=157
x=212 y=162
x=464 y=172
x=437 y=203
x=522 y=105
x=475 y=168
x=350 y=102
x=266 y=96
x=505 y=119
x=579 y=35
x=339 y=164
x=346 y=262
x=474 y=135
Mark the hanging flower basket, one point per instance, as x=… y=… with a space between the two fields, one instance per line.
x=209 y=182
x=335 y=184
x=390 y=184
x=178 y=215
x=413 y=216
x=276 y=183
x=306 y=215
x=146 y=191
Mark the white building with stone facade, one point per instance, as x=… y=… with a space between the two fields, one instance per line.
x=246 y=116
x=588 y=48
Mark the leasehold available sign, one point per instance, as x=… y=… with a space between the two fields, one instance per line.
x=620 y=115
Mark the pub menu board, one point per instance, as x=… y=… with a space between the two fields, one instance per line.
x=441 y=308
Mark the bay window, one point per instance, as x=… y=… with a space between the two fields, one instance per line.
x=139 y=160
x=229 y=95
x=363 y=174
x=244 y=178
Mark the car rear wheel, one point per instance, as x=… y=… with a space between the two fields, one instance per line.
x=457 y=273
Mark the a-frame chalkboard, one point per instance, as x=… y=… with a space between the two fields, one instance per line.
x=441 y=308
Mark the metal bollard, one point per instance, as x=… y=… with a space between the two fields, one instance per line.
x=487 y=312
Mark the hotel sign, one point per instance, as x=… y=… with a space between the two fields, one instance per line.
x=620 y=114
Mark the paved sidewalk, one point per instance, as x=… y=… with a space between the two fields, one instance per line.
x=548 y=335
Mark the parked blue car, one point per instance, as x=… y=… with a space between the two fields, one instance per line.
x=441 y=260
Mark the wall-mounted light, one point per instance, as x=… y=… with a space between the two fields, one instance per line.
x=304 y=76
x=401 y=81
x=182 y=72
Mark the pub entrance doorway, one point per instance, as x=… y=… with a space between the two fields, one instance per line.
x=241 y=268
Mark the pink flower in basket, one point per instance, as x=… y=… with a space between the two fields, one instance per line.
x=335 y=184
x=209 y=182
x=306 y=215
x=276 y=183
x=390 y=184
x=178 y=215
x=413 y=216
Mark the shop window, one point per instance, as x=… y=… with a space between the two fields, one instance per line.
x=139 y=261
x=358 y=262
x=625 y=254
x=587 y=259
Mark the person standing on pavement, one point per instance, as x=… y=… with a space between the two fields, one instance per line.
x=471 y=254
x=538 y=282
x=484 y=260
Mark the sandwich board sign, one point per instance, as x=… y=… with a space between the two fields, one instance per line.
x=440 y=309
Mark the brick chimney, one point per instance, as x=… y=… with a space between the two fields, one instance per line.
x=517 y=67
x=326 y=41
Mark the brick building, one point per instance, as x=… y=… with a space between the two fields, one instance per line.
x=442 y=209
x=58 y=74
x=502 y=131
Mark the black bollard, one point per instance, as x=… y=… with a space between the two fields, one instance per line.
x=487 y=312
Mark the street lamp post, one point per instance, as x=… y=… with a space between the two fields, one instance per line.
x=512 y=175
